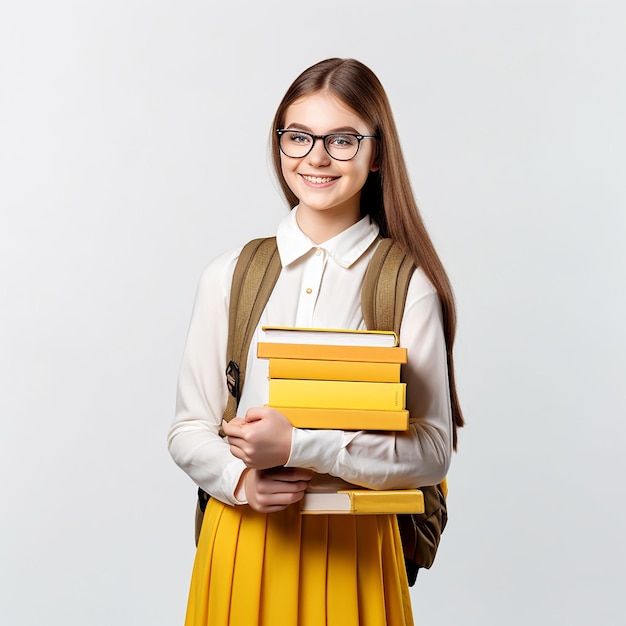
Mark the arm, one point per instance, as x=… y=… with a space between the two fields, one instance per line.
x=194 y=441
x=420 y=456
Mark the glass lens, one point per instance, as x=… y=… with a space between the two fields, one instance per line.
x=342 y=146
x=295 y=144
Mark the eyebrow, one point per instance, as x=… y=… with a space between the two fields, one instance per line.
x=341 y=129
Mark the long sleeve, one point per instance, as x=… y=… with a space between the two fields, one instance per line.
x=420 y=456
x=194 y=441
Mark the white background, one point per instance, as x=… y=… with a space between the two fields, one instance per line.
x=133 y=139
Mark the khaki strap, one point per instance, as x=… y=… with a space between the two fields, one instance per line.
x=255 y=276
x=385 y=287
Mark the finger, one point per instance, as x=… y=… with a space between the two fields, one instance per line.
x=282 y=498
x=235 y=442
x=238 y=453
x=300 y=473
x=289 y=474
x=271 y=508
x=234 y=427
x=253 y=414
x=275 y=485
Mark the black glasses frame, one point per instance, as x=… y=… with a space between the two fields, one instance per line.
x=359 y=138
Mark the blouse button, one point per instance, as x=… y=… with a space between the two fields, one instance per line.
x=318 y=252
x=309 y=290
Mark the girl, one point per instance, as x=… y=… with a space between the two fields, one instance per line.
x=338 y=159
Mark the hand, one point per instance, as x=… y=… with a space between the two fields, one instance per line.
x=261 y=439
x=274 y=489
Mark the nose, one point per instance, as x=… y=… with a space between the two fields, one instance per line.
x=318 y=155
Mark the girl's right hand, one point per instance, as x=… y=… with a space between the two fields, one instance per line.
x=274 y=489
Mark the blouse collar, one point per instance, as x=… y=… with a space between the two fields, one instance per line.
x=345 y=248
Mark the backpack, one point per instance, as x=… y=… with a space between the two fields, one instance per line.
x=383 y=296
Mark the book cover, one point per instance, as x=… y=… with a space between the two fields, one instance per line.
x=345 y=419
x=336 y=394
x=321 y=352
x=363 y=502
x=314 y=369
x=330 y=336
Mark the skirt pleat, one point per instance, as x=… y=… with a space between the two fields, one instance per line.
x=281 y=568
x=370 y=582
x=253 y=569
x=342 y=598
x=313 y=552
x=221 y=580
x=248 y=572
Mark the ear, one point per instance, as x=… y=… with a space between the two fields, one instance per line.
x=375 y=166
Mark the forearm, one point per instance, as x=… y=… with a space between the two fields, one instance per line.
x=207 y=459
x=194 y=440
x=377 y=460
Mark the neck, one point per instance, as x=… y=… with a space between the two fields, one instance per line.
x=320 y=226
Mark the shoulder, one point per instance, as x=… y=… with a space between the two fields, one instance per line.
x=221 y=268
x=422 y=319
x=420 y=288
x=217 y=276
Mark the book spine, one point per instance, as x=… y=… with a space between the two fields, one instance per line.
x=345 y=419
x=333 y=394
x=268 y=350
x=310 y=369
x=398 y=501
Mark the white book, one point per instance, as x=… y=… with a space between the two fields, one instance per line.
x=329 y=336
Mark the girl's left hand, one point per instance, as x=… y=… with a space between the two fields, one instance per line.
x=261 y=439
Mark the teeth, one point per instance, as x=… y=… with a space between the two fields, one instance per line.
x=318 y=180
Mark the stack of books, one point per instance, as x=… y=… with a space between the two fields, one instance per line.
x=340 y=379
x=345 y=379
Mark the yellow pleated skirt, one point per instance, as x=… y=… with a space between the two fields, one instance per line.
x=288 y=569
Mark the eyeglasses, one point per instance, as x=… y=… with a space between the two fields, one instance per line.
x=296 y=144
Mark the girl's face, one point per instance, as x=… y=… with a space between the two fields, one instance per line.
x=321 y=183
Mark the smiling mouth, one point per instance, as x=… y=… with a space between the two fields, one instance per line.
x=319 y=180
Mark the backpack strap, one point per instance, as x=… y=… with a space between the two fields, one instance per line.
x=385 y=287
x=254 y=279
x=383 y=298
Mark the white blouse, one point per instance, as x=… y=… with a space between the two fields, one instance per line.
x=319 y=286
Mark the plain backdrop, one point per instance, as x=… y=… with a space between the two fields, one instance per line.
x=133 y=150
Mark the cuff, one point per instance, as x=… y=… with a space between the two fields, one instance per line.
x=315 y=449
x=240 y=490
x=233 y=477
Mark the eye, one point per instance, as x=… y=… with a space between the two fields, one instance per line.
x=340 y=141
x=300 y=139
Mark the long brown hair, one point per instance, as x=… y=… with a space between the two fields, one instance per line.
x=387 y=195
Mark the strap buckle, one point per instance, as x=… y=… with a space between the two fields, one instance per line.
x=232 y=379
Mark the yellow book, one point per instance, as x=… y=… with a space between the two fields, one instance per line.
x=323 y=352
x=336 y=394
x=313 y=369
x=345 y=419
x=330 y=336
x=363 y=502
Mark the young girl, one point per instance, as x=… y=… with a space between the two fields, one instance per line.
x=338 y=159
